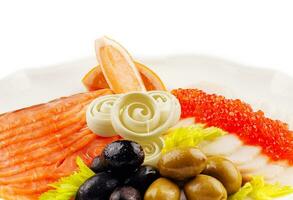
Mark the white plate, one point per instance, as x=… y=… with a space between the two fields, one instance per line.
x=263 y=88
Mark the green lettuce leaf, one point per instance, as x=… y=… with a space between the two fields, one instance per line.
x=258 y=189
x=190 y=136
x=67 y=187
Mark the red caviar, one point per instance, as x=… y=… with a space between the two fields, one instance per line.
x=238 y=118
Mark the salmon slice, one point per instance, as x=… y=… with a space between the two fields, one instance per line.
x=50 y=128
x=30 y=145
x=42 y=172
x=29 y=115
x=10 y=195
x=65 y=168
x=87 y=154
x=37 y=155
x=40 y=186
x=42 y=124
x=40 y=144
x=30 y=188
x=54 y=158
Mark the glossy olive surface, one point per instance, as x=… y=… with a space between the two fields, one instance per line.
x=162 y=189
x=125 y=193
x=123 y=156
x=99 y=165
x=225 y=171
x=98 y=187
x=205 y=187
x=182 y=163
x=142 y=178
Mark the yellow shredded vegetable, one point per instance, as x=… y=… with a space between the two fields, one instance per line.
x=258 y=189
x=190 y=136
x=67 y=187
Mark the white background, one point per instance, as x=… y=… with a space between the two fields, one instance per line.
x=252 y=32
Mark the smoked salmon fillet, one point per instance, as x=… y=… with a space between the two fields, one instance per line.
x=40 y=144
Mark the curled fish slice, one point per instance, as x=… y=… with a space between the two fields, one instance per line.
x=223 y=146
x=254 y=165
x=286 y=177
x=184 y=123
x=269 y=171
x=244 y=154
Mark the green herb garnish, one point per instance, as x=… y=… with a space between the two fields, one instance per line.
x=190 y=136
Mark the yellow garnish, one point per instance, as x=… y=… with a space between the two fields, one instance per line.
x=67 y=187
x=258 y=189
x=190 y=136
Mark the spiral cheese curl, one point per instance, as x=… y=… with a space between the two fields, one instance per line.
x=169 y=106
x=98 y=115
x=138 y=116
x=152 y=150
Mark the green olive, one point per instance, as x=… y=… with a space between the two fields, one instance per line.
x=205 y=187
x=182 y=163
x=225 y=171
x=162 y=189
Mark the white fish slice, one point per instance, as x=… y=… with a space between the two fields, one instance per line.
x=269 y=171
x=285 y=178
x=223 y=146
x=254 y=165
x=244 y=154
x=184 y=123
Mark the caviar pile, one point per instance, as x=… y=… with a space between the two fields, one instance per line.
x=238 y=118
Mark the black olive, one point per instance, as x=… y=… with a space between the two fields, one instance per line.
x=142 y=178
x=123 y=156
x=125 y=193
x=99 y=165
x=98 y=187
